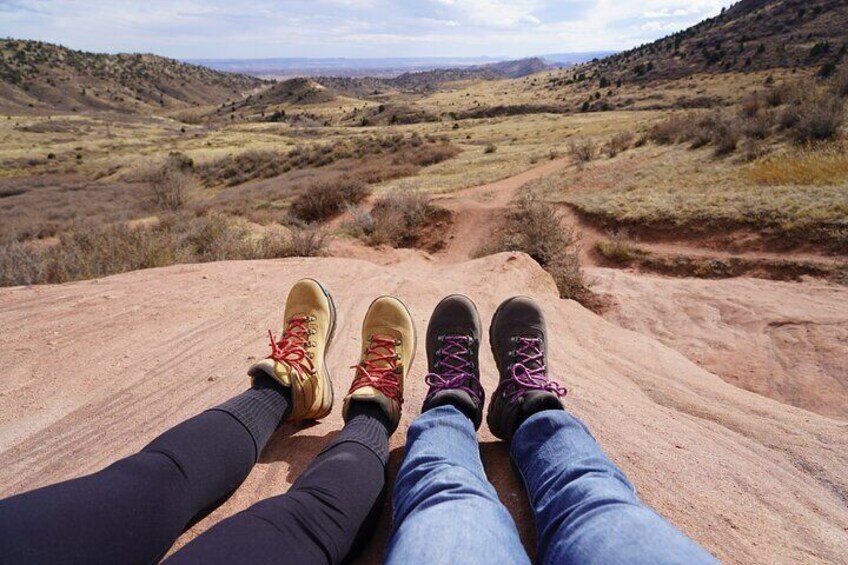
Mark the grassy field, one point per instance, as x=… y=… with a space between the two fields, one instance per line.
x=730 y=160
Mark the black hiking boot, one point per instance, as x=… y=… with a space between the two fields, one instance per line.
x=453 y=345
x=518 y=338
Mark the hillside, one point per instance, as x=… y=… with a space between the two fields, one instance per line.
x=41 y=76
x=753 y=480
x=428 y=81
x=751 y=35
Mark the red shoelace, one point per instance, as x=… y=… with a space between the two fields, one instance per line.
x=379 y=368
x=291 y=347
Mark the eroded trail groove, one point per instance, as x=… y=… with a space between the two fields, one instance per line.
x=752 y=479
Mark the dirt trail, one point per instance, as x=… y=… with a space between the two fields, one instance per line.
x=753 y=480
x=478 y=210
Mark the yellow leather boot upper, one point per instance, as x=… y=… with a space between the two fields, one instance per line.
x=298 y=358
x=388 y=348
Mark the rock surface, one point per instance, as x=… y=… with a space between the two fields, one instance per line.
x=94 y=370
x=786 y=341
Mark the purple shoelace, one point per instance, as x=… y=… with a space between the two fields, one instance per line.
x=528 y=372
x=455 y=368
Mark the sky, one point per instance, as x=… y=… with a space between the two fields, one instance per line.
x=191 y=29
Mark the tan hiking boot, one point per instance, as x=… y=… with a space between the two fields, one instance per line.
x=388 y=348
x=298 y=358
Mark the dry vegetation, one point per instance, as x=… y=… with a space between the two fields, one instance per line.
x=692 y=155
x=403 y=217
x=324 y=200
x=533 y=227
x=402 y=156
x=816 y=166
x=175 y=238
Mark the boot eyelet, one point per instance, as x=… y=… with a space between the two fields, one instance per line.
x=397 y=342
x=398 y=370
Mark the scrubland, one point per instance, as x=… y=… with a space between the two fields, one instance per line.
x=757 y=154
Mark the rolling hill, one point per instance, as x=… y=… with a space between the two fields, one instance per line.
x=751 y=35
x=40 y=76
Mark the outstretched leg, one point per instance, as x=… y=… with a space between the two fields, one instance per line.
x=331 y=508
x=133 y=510
x=586 y=510
x=445 y=509
x=327 y=513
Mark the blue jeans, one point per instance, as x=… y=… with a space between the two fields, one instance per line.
x=586 y=511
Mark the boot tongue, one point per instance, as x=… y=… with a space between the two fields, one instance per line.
x=378 y=350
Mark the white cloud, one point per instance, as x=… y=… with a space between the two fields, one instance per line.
x=351 y=28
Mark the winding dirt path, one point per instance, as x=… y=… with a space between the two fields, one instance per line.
x=478 y=210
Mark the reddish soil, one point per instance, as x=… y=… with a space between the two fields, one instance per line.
x=752 y=479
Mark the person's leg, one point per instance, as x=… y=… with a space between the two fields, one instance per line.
x=586 y=510
x=445 y=509
x=332 y=507
x=133 y=510
x=327 y=514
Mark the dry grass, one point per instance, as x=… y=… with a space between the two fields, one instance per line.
x=533 y=227
x=95 y=252
x=813 y=166
x=678 y=190
x=618 y=249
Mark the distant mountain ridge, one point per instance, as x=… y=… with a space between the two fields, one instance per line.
x=425 y=81
x=39 y=75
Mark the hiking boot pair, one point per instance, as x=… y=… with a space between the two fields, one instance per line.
x=298 y=357
x=518 y=339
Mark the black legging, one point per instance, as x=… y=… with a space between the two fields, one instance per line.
x=134 y=510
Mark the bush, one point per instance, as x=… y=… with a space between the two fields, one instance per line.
x=173 y=184
x=817 y=117
x=582 y=151
x=324 y=200
x=725 y=137
x=533 y=227
x=675 y=129
x=399 y=217
x=307 y=242
x=841 y=82
x=619 y=143
x=490 y=148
